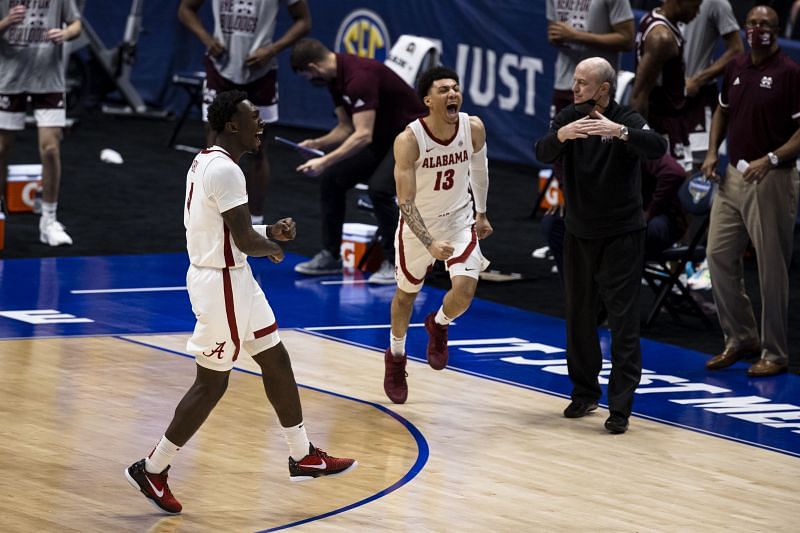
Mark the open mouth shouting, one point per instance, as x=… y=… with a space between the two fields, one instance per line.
x=452 y=110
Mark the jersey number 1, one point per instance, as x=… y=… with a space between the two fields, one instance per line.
x=447 y=182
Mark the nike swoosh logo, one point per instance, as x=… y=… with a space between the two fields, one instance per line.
x=469 y=269
x=159 y=493
x=321 y=466
x=429 y=149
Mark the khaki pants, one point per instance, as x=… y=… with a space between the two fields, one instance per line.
x=765 y=214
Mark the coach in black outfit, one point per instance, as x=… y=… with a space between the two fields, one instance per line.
x=601 y=145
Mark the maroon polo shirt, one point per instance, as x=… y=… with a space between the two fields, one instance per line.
x=364 y=84
x=763 y=103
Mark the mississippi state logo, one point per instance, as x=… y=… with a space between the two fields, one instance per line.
x=364 y=34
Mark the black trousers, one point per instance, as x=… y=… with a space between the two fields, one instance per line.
x=607 y=270
x=376 y=169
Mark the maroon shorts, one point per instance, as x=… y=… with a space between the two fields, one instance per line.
x=677 y=134
x=49 y=110
x=694 y=111
x=263 y=92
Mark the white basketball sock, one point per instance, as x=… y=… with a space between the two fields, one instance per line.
x=441 y=318
x=49 y=210
x=397 y=345
x=161 y=456
x=297 y=440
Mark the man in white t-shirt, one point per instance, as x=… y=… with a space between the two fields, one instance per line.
x=232 y=312
x=442 y=177
x=243 y=55
x=32 y=67
x=715 y=20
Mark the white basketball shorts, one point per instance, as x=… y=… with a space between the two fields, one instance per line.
x=413 y=261
x=232 y=315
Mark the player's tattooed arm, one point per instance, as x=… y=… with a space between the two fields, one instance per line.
x=406 y=152
x=411 y=216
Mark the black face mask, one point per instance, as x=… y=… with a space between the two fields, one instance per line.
x=318 y=81
x=586 y=107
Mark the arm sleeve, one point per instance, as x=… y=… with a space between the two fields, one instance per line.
x=479 y=178
x=225 y=185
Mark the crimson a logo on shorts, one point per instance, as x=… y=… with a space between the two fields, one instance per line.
x=363 y=33
x=219 y=351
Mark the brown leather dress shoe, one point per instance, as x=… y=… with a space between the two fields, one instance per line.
x=763 y=368
x=730 y=355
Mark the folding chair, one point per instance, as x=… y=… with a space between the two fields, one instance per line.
x=662 y=272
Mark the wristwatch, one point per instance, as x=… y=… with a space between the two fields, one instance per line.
x=773 y=159
x=623 y=132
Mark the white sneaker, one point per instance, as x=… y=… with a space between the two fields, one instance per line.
x=384 y=275
x=52 y=232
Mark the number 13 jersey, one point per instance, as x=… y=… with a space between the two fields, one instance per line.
x=443 y=197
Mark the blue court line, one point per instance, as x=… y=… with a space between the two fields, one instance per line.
x=566 y=396
x=423 y=450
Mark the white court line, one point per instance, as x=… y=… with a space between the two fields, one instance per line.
x=365 y=326
x=344 y=282
x=368 y=326
x=139 y=289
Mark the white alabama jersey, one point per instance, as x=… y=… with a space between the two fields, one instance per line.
x=443 y=195
x=214 y=184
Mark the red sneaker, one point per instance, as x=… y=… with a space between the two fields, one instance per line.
x=437 y=343
x=318 y=463
x=394 y=377
x=153 y=486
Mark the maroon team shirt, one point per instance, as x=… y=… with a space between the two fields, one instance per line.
x=763 y=103
x=364 y=84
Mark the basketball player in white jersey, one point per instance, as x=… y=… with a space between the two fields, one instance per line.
x=441 y=173
x=232 y=312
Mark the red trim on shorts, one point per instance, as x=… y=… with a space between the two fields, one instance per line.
x=463 y=257
x=265 y=331
x=227 y=247
x=403 y=266
x=210 y=151
x=432 y=136
x=189 y=200
x=229 y=310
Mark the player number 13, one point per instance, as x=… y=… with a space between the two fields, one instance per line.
x=444 y=180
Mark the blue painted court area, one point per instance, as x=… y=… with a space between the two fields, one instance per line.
x=146 y=294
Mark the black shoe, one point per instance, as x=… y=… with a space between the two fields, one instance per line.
x=577 y=409
x=617 y=424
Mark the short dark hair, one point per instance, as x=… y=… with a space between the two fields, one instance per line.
x=222 y=109
x=427 y=78
x=307 y=51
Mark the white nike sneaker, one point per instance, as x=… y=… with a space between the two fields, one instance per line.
x=52 y=232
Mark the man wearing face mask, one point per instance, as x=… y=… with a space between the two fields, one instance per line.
x=604 y=242
x=759 y=113
x=373 y=105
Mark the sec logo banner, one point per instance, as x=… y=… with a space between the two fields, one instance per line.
x=363 y=33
